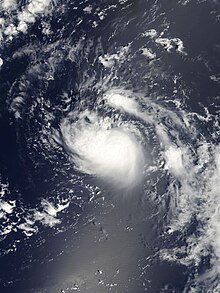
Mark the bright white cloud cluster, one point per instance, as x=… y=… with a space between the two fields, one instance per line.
x=167 y=43
x=7 y=207
x=170 y=44
x=108 y=60
x=122 y=101
x=148 y=53
x=47 y=214
x=9 y=4
x=113 y=154
x=18 y=21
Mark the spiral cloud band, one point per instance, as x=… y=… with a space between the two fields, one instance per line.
x=112 y=154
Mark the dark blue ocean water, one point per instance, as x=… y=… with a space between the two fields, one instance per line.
x=57 y=73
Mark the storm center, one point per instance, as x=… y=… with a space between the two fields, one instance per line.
x=113 y=154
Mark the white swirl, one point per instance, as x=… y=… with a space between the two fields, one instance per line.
x=111 y=153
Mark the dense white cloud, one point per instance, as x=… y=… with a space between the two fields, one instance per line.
x=8 y=4
x=113 y=154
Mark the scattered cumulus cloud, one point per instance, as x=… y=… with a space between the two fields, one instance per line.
x=17 y=20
